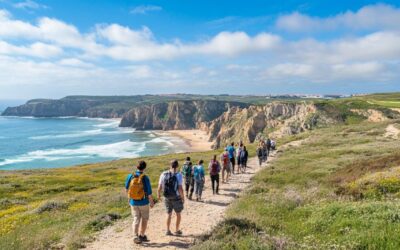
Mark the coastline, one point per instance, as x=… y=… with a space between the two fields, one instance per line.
x=196 y=139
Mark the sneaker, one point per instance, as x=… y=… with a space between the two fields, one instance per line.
x=137 y=240
x=168 y=233
x=179 y=232
x=144 y=238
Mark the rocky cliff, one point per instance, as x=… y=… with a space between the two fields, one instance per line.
x=176 y=114
x=245 y=124
x=67 y=107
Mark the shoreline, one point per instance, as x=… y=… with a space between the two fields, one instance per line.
x=196 y=139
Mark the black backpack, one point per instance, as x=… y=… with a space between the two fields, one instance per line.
x=170 y=185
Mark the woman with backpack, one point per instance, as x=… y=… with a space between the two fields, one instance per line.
x=199 y=179
x=187 y=172
x=214 y=168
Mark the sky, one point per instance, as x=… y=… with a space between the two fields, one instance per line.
x=51 y=49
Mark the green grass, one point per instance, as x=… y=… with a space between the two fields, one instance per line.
x=42 y=208
x=302 y=200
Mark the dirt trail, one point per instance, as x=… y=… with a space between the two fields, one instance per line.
x=392 y=131
x=197 y=217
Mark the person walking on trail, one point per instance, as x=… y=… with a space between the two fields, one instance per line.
x=265 y=152
x=273 y=145
x=199 y=179
x=244 y=155
x=231 y=152
x=269 y=145
x=238 y=154
x=187 y=172
x=259 y=153
x=139 y=192
x=214 y=168
x=225 y=166
x=170 y=184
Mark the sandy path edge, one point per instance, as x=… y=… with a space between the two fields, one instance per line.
x=197 y=218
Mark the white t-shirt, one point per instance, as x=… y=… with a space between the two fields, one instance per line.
x=178 y=175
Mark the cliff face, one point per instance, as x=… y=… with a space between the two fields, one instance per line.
x=247 y=123
x=64 y=107
x=175 y=114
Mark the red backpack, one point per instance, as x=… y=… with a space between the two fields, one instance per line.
x=214 y=168
x=225 y=158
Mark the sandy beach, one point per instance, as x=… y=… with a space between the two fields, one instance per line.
x=195 y=138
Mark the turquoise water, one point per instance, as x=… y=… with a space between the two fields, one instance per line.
x=29 y=143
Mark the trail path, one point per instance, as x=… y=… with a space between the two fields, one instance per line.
x=197 y=217
x=392 y=131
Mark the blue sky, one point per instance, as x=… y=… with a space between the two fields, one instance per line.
x=58 y=48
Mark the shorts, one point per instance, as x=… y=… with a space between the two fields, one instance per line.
x=232 y=160
x=140 y=212
x=175 y=204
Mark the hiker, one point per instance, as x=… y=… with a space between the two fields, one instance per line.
x=225 y=166
x=199 y=179
x=259 y=153
x=170 y=184
x=273 y=145
x=265 y=152
x=231 y=152
x=187 y=172
x=214 y=168
x=243 y=159
x=139 y=192
x=238 y=153
x=268 y=144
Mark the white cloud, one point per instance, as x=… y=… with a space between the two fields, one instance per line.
x=74 y=62
x=29 y=4
x=37 y=49
x=144 y=9
x=371 y=17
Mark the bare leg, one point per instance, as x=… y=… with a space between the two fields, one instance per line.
x=178 y=221
x=169 y=221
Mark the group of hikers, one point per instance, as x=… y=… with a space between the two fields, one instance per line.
x=177 y=184
x=264 y=148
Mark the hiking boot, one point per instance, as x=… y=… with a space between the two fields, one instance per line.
x=144 y=238
x=168 y=233
x=137 y=240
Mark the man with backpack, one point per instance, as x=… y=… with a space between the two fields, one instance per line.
x=214 y=168
x=187 y=172
x=139 y=192
x=238 y=154
x=199 y=178
x=244 y=155
x=170 y=184
x=225 y=166
x=269 y=145
x=231 y=152
x=259 y=153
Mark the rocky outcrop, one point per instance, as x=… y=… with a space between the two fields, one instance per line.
x=175 y=114
x=245 y=124
x=66 y=107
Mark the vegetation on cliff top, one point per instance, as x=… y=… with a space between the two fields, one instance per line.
x=338 y=190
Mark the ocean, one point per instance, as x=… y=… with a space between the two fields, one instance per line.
x=30 y=143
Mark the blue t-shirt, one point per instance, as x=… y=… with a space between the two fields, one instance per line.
x=231 y=152
x=198 y=172
x=147 y=190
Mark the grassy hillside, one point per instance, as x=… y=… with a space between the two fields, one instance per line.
x=339 y=190
x=40 y=209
